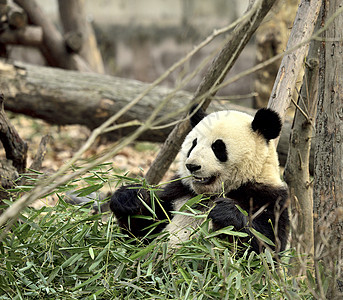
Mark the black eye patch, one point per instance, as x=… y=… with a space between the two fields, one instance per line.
x=193 y=146
x=219 y=149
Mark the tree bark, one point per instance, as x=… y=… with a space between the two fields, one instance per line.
x=213 y=77
x=328 y=179
x=74 y=21
x=271 y=40
x=16 y=153
x=29 y=36
x=53 y=47
x=292 y=63
x=297 y=174
x=15 y=147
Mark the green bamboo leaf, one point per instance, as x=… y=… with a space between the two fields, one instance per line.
x=269 y=258
x=71 y=260
x=90 y=280
x=261 y=236
x=242 y=210
x=89 y=189
x=238 y=281
x=142 y=252
x=227 y=230
x=191 y=202
x=91 y=252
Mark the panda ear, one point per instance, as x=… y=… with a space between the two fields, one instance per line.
x=197 y=116
x=268 y=123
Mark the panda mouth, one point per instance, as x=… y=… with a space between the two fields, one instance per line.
x=203 y=180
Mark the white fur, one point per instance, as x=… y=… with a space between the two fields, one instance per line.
x=250 y=158
x=181 y=226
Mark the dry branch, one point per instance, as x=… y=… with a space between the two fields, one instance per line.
x=79 y=34
x=213 y=77
x=15 y=147
x=292 y=63
x=28 y=36
x=53 y=47
x=40 y=155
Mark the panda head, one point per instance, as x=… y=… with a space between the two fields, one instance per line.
x=227 y=149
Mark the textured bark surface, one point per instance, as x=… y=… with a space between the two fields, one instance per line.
x=328 y=184
x=15 y=147
x=297 y=174
x=53 y=47
x=74 y=21
x=16 y=153
x=292 y=63
x=271 y=40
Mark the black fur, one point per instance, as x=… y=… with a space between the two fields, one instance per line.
x=219 y=149
x=268 y=123
x=251 y=197
x=125 y=204
x=198 y=115
x=194 y=143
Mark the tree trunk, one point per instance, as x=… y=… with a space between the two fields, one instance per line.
x=328 y=183
x=296 y=172
x=74 y=21
x=271 y=40
x=16 y=153
x=292 y=63
x=53 y=47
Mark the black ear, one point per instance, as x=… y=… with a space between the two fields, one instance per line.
x=268 y=123
x=198 y=115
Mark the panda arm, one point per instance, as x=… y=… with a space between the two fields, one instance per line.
x=226 y=213
x=271 y=200
x=127 y=202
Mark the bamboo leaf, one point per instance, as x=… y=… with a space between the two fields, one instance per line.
x=261 y=236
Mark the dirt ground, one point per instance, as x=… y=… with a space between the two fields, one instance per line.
x=66 y=140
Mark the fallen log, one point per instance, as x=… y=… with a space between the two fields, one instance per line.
x=65 y=97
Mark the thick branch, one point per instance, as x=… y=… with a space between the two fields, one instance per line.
x=53 y=47
x=15 y=147
x=28 y=36
x=292 y=63
x=75 y=24
x=296 y=172
x=213 y=77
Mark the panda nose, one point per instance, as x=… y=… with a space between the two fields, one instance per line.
x=192 y=168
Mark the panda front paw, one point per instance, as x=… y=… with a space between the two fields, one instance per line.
x=225 y=213
x=127 y=201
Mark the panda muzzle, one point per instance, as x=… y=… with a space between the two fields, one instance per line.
x=203 y=180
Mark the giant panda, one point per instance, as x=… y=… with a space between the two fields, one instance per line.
x=230 y=158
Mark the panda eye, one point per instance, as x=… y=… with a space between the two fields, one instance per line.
x=219 y=149
x=193 y=146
